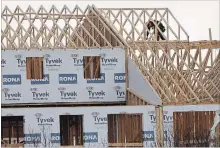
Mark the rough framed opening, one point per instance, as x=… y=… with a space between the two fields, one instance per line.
x=125 y=130
x=34 y=67
x=71 y=130
x=91 y=65
x=193 y=128
x=12 y=130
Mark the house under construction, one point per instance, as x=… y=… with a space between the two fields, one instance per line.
x=74 y=77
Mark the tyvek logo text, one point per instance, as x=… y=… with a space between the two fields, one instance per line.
x=21 y=62
x=67 y=95
x=76 y=60
x=120 y=92
x=52 y=63
x=11 y=96
x=44 y=121
x=39 y=95
x=167 y=118
x=95 y=94
x=99 y=119
x=109 y=61
x=3 y=62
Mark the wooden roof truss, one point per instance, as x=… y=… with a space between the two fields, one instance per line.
x=62 y=29
x=182 y=72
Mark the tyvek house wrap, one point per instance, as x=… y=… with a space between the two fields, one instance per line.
x=141 y=86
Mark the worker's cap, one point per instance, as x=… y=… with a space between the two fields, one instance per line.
x=150 y=24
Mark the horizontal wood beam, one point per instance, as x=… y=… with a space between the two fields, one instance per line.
x=106 y=9
x=63 y=104
x=125 y=144
x=178 y=44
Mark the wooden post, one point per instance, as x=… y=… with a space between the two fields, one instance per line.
x=133 y=25
x=210 y=38
x=155 y=27
x=121 y=28
x=210 y=34
x=159 y=126
x=167 y=24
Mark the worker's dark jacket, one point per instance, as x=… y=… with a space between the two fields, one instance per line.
x=160 y=25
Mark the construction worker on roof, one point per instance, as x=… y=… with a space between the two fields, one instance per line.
x=151 y=25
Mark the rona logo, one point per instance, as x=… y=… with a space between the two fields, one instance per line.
x=11 y=79
x=67 y=94
x=99 y=80
x=90 y=137
x=95 y=94
x=119 y=77
x=11 y=96
x=55 y=137
x=67 y=78
x=3 y=62
x=34 y=138
x=76 y=60
x=148 y=135
x=45 y=80
x=120 y=92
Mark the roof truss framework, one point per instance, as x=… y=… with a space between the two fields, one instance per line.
x=54 y=28
x=131 y=23
x=180 y=71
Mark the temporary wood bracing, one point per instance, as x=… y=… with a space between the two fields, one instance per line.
x=181 y=71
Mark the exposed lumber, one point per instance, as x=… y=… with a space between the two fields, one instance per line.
x=160 y=126
x=182 y=73
x=87 y=31
x=13 y=145
x=135 y=99
x=179 y=45
x=125 y=144
x=62 y=104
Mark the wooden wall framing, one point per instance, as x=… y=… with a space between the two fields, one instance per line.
x=125 y=129
x=12 y=130
x=71 y=130
x=92 y=67
x=192 y=128
x=34 y=67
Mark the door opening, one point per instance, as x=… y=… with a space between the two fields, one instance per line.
x=71 y=130
x=12 y=129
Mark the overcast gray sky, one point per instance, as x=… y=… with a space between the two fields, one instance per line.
x=195 y=16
